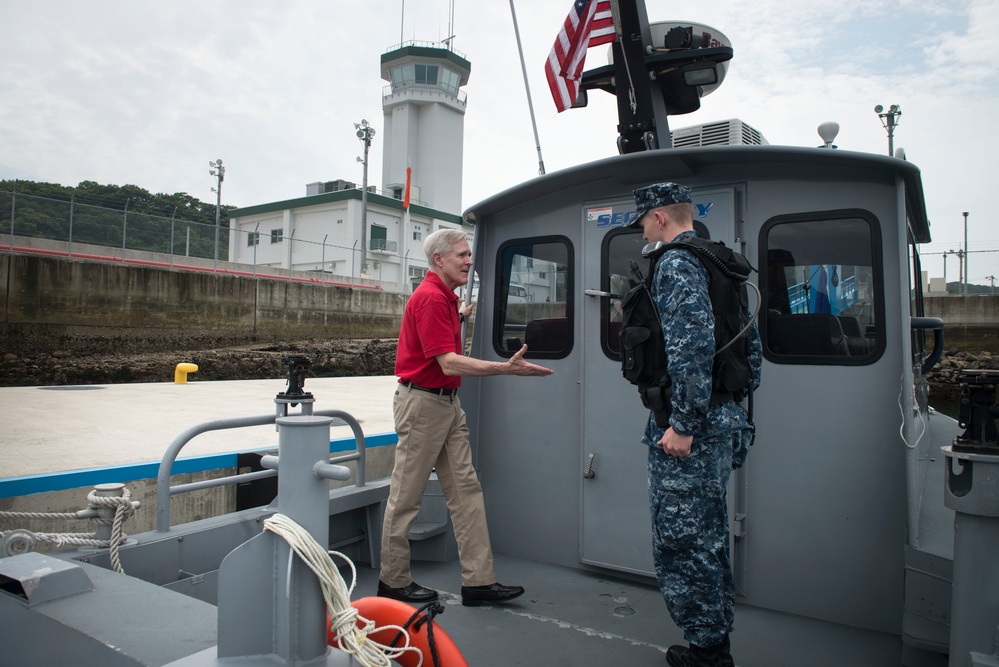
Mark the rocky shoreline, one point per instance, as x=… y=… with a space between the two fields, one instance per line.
x=329 y=358
x=944 y=388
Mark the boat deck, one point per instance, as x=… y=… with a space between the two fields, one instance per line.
x=570 y=617
x=567 y=616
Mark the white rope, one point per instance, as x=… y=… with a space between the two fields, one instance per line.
x=123 y=510
x=901 y=409
x=38 y=515
x=344 y=619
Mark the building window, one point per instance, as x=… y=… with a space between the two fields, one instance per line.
x=449 y=81
x=379 y=236
x=823 y=291
x=277 y=235
x=426 y=74
x=534 y=303
x=417 y=235
x=252 y=239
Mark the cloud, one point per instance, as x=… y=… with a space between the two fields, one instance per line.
x=148 y=93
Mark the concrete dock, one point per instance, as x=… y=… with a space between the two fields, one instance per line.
x=52 y=429
x=58 y=443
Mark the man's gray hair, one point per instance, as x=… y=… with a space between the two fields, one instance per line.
x=441 y=242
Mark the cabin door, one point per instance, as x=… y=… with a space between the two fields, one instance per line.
x=616 y=529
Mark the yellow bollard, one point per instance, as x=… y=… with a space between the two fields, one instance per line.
x=180 y=373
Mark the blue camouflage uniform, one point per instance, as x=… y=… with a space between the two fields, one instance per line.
x=687 y=495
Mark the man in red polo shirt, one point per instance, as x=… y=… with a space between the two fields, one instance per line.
x=433 y=433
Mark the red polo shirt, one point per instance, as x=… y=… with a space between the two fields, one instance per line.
x=430 y=326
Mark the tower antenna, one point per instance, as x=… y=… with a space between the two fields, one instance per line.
x=450 y=26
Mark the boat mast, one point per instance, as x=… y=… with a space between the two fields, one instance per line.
x=653 y=81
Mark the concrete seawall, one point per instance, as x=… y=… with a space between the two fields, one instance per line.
x=55 y=303
x=971 y=322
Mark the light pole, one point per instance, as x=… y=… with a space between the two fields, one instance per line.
x=364 y=133
x=218 y=171
x=946 y=252
x=965 y=214
x=960 y=269
x=889 y=119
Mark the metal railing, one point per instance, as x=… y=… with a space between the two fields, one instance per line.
x=164 y=490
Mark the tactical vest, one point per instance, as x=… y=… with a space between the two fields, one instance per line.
x=643 y=348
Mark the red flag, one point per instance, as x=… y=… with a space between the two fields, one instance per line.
x=589 y=23
x=409 y=178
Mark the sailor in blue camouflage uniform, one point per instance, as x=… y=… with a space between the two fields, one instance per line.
x=690 y=462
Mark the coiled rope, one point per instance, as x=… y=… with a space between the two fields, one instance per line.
x=344 y=619
x=424 y=614
x=123 y=510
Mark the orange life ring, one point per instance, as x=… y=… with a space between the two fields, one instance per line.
x=386 y=611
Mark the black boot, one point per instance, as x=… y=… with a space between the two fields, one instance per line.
x=725 y=660
x=695 y=656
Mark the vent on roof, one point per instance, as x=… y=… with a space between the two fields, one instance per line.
x=731 y=132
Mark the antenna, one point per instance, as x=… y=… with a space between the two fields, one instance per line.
x=827 y=132
x=889 y=119
x=450 y=26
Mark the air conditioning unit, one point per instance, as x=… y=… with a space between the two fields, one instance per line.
x=732 y=132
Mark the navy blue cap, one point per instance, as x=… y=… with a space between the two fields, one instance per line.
x=656 y=195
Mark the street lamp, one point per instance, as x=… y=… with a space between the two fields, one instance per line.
x=889 y=119
x=364 y=133
x=218 y=171
x=965 y=214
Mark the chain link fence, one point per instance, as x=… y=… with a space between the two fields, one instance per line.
x=68 y=226
x=41 y=225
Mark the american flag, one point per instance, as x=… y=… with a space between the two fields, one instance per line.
x=589 y=23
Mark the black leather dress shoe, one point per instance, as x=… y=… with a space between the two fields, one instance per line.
x=473 y=596
x=412 y=593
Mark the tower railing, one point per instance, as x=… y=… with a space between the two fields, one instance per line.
x=407 y=86
x=427 y=45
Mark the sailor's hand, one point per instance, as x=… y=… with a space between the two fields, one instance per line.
x=517 y=366
x=675 y=444
x=466 y=309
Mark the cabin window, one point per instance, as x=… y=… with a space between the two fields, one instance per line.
x=821 y=279
x=533 y=300
x=622 y=247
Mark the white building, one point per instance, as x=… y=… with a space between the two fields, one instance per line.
x=423 y=112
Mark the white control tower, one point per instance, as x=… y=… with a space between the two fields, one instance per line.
x=424 y=111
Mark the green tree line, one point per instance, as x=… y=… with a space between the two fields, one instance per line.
x=94 y=213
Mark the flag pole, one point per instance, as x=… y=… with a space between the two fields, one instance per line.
x=616 y=13
x=527 y=87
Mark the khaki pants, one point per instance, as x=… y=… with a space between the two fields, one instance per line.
x=433 y=434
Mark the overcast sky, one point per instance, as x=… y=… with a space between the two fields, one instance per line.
x=146 y=93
